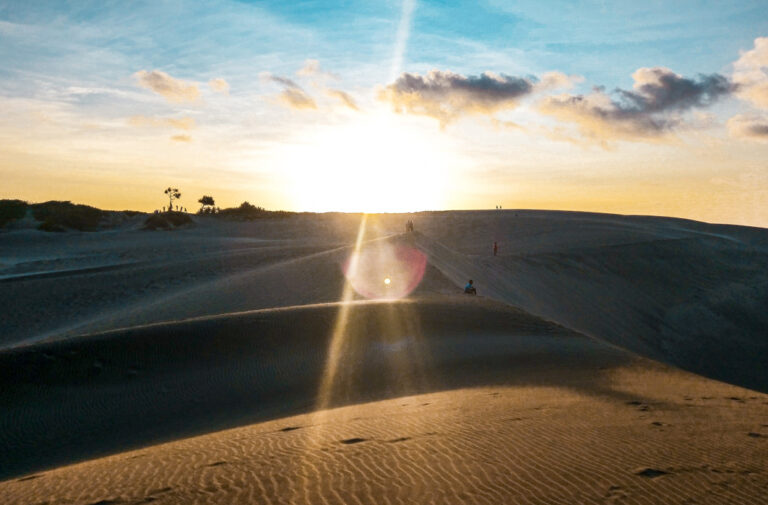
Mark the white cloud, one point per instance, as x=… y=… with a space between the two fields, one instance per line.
x=751 y=74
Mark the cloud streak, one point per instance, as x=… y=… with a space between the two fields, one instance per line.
x=297 y=99
x=344 y=98
x=653 y=108
x=182 y=123
x=172 y=89
x=446 y=96
x=293 y=96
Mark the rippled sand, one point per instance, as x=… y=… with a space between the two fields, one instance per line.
x=643 y=441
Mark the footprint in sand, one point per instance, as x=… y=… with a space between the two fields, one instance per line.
x=650 y=473
x=29 y=477
x=615 y=493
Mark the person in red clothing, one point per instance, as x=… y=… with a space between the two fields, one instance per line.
x=495 y=248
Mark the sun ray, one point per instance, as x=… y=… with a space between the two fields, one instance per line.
x=337 y=338
x=403 y=32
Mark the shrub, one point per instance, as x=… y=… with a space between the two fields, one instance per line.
x=11 y=210
x=56 y=216
x=166 y=221
x=248 y=212
x=50 y=226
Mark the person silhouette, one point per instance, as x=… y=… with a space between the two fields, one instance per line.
x=469 y=289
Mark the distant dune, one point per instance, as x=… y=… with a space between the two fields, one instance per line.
x=674 y=290
x=552 y=386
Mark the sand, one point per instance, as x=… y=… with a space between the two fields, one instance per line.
x=561 y=383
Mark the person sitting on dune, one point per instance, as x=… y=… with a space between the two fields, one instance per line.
x=469 y=289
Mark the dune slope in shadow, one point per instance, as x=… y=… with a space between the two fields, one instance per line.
x=102 y=393
x=686 y=293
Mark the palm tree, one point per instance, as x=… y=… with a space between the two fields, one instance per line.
x=173 y=194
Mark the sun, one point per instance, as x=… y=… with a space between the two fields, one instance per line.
x=374 y=163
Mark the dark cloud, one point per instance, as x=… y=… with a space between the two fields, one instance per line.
x=651 y=109
x=446 y=96
x=660 y=89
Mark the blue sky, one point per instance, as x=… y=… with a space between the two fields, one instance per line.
x=85 y=108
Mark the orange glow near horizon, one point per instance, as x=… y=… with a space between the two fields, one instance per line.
x=382 y=162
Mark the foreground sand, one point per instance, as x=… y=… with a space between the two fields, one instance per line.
x=657 y=436
x=438 y=398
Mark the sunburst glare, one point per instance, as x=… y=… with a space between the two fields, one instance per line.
x=378 y=163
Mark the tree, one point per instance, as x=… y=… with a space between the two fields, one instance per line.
x=206 y=201
x=173 y=194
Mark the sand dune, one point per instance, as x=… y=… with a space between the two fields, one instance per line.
x=202 y=374
x=686 y=293
x=437 y=398
x=550 y=416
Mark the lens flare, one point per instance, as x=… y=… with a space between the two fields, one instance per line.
x=402 y=268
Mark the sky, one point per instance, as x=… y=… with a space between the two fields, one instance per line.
x=655 y=107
